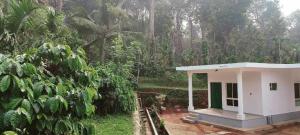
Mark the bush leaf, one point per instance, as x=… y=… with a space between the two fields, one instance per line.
x=5 y=82
x=29 y=69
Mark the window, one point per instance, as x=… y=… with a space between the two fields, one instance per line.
x=273 y=86
x=232 y=94
x=297 y=94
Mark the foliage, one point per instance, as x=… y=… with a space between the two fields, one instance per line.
x=173 y=97
x=116 y=90
x=117 y=81
x=188 y=55
x=190 y=32
x=20 y=13
x=27 y=24
x=52 y=87
x=46 y=91
x=97 y=21
x=158 y=122
x=122 y=54
x=117 y=124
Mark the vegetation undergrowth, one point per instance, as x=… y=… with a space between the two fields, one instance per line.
x=116 y=124
x=116 y=90
x=48 y=87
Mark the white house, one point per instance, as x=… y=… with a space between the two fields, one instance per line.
x=248 y=95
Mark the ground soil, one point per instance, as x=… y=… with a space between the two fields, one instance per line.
x=173 y=122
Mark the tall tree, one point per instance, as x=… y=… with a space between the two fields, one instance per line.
x=151 y=28
x=218 y=18
x=268 y=19
x=177 y=9
x=294 y=26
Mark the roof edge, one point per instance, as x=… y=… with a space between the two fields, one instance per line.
x=238 y=65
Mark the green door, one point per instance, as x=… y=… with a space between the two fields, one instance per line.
x=216 y=95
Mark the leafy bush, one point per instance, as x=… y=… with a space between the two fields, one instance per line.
x=117 y=81
x=47 y=91
x=116 y=90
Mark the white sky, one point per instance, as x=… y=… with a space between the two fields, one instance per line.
x=289 y=6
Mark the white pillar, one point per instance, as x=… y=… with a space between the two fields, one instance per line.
x=208 y=92
x=190 y=82
x=240 y=95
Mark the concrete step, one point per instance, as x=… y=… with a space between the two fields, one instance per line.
x=191 y=117
x=187 y=120
x=194 y=114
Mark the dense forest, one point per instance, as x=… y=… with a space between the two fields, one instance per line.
x=153 y=36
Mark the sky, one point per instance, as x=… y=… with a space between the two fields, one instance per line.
x=289 y=6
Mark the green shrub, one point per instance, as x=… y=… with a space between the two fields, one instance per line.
x=117 y=81
x=116 y=90
x=47 y=91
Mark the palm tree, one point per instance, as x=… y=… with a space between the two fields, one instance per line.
x=21 y=26
x=14 y=20
x=96 y=20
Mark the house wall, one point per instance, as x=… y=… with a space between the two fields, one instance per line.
x=251 y=85
x=252 y=92
x=279 y=101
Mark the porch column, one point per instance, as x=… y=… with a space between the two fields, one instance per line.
x=191 y=105
x=240 y=95
x=209 y=92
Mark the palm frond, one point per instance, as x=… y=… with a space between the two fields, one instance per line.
x=84 y=24
x=52 y=20
x=20 y=13
x=2 y=24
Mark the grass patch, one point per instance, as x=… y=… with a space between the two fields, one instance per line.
x=145 y=82
x=156 y=86
x=119 y=124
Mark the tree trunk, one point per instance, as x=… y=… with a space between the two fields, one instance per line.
x=191 y=31
x=102 y=49
x=194 y=61
x=178 y=37
x=151 y=28
x=57 y=4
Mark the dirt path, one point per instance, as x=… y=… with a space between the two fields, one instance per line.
x=177 y=127
x=174 y=124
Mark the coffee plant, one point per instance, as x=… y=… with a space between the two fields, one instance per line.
x=116 y=90
x=47 y=91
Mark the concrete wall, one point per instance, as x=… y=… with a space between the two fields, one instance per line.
x=249 y=123
x=281 y=100
x=251 y=85
x=252 y=92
